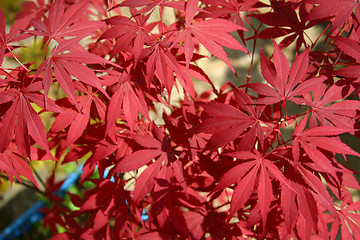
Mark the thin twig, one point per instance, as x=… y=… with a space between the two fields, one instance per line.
x=25 y=184
x=38 y=176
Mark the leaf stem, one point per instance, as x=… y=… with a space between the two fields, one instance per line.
x=252 y=58
x=251 y=65
x=312 y=43
x=47 y=48
x=317 y=39
x=285 y=111
x=27 y=70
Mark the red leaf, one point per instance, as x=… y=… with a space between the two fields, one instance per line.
x=319 y=159
x=15 y=34
x=83 y=73
x=340 y=114
x=62 y=236
x=70 y=64
x=20 y=166
x=194 y=222
x=264 y=194
x=213 y=40
x=147 y=141
x=220 y=110
x=282 y=68
x=65 y=82
x=146 y=180
x=287 y=82
x=191 y=9
x=307 y=206
x=341 y=10
x=289 y=207
x=78 y=125
x=224 y=118
x=136 y=160
x=278 y=174
x=243 y=191
x=126 y=31
x=34 y=124
x=75 y=199
x=176 y=217
x=297 y=70
x=8 y=126
x=62 y=23
x=7 y=167
x=131 y=101
x=330 y=144
x=321 y=195
x=234 y=175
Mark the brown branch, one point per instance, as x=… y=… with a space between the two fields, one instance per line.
x=25 y=183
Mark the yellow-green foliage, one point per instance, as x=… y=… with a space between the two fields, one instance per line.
x=34 y=53
x=10 y=8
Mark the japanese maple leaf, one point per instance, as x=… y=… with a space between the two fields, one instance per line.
x=284 y=21
x=148 y=5
x=163 y=64
x=68 y=64
x=78 y=120
x=167 y=194
x=13 y=165
x=340 y=10
x=167 y=200
x=328 y=108
x=128 y=32
x=234 y=121
x=99 y=104
x=225 y=122
x=289 y=206
x=22 y=120
x=231 y=10
x=349 y=221
x=120 y=148
x=253 y=167
x=193 y=70
x=112 y=198
x=159 y=148
x=116 y=148
x=321 y=137
x=310 y=189
x=313 y=184
x=213 y=34
x=256 y=131
x=286 y=82
x=62 y=23
x=127 y=98
x=295 y=206
x=15 y=34
x=219 y=8
x=352 y=49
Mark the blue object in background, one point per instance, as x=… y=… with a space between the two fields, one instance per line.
x=23 y=223
x=31 y=216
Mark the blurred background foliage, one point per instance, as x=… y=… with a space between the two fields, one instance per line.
x=34 y=52
x=10 y=8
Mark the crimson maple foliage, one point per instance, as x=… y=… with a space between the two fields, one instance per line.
x=218 y=166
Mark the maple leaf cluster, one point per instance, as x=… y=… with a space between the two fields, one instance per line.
x=219 y=165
